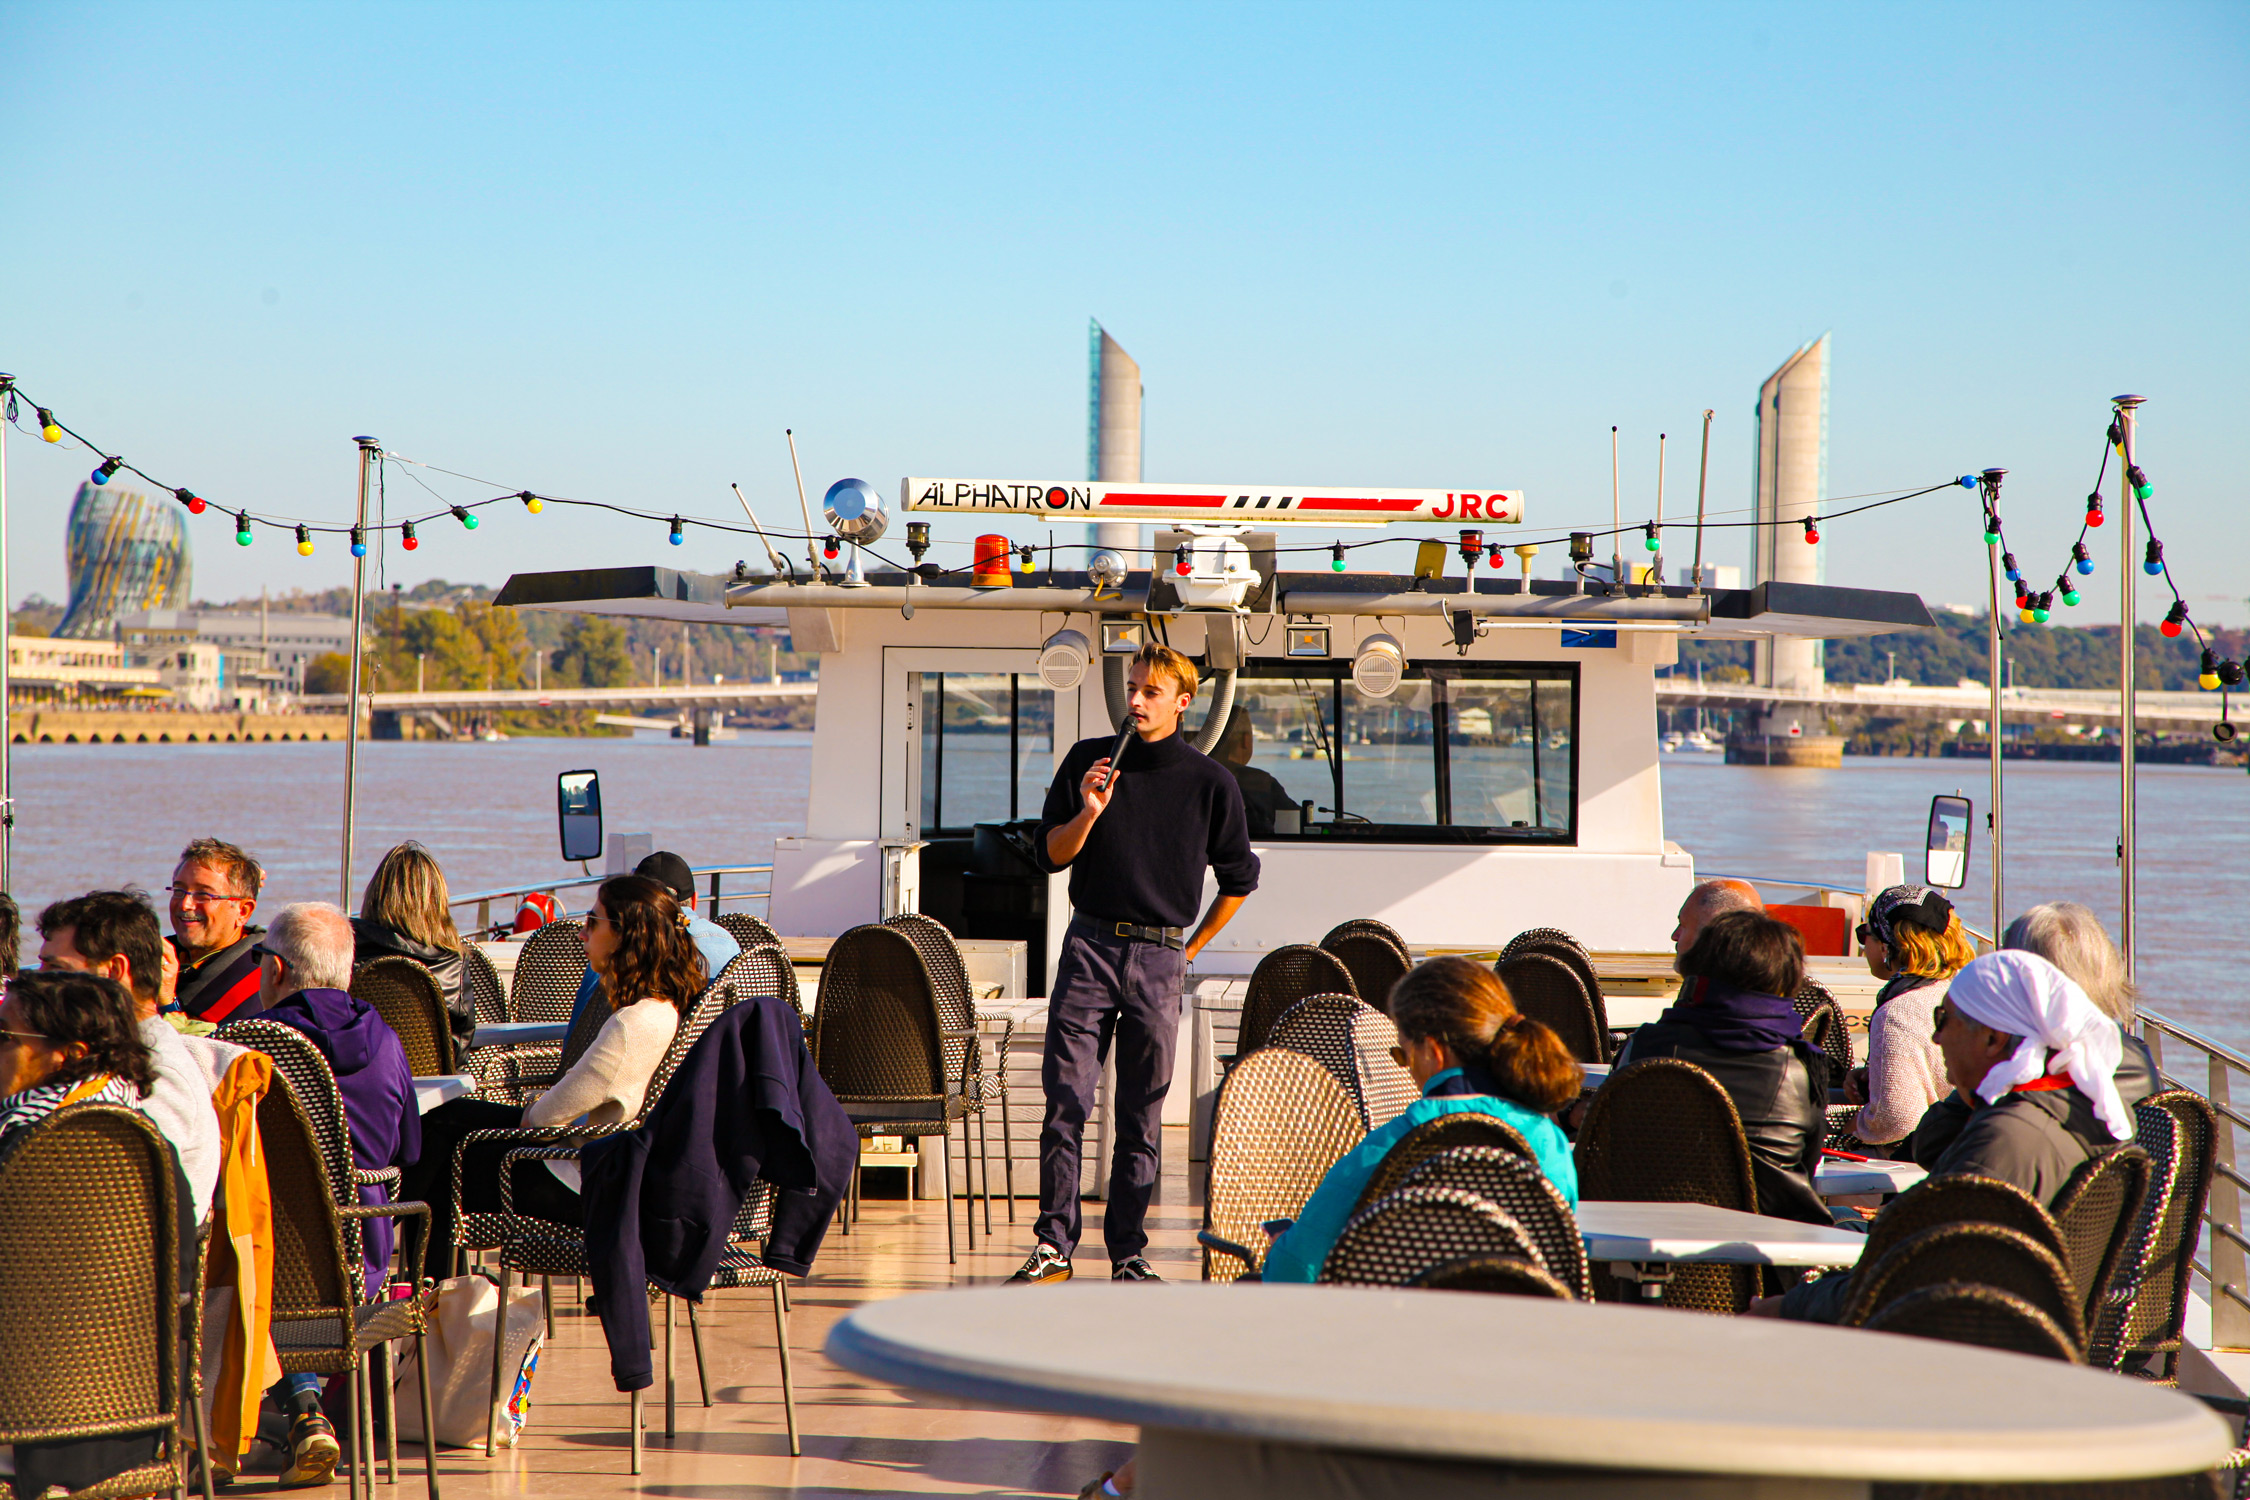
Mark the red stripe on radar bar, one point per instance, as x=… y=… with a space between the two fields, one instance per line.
x=1357 y=504
x=1196 y=500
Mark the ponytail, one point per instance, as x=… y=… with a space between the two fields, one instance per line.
x=1465 y=1005
x=1529 y=1063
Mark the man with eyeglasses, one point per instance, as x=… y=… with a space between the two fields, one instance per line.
x=214 y=893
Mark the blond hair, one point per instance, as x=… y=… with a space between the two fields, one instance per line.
x=1153 y=659
x=1917 y=950
x=407 y=894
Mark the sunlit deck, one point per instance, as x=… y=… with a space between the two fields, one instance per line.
x=859 y=1438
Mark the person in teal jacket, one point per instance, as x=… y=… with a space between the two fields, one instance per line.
x=1472 y=1052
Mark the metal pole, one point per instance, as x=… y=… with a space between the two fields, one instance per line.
x=1616 y=544
x=1992 y=478
x=1702 y=478
x=7 y=651
x=2128 y=566
x=370 y=454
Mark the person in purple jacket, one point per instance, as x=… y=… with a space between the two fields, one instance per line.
x=307 y=966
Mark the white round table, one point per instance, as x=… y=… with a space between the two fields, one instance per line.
x=1343 y=1390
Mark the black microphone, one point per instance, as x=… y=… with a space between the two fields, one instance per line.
x=1117 y=751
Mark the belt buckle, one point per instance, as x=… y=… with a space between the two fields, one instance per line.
x=1125 y=930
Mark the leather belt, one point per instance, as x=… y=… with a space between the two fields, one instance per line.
x=1170 y=937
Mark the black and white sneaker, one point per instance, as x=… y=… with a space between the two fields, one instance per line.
x=1046 y=1264
x=1135 y=1269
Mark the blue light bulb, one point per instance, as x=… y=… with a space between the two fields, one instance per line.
x=2085 y=565
x=2153 y=566
x=1967 y=481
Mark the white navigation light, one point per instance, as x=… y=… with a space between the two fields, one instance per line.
x=1106 y=568
x=1063 y=658
x=855 y=512
x=1379 y=666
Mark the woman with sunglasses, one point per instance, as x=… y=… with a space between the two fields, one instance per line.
x=1914 y=942
x=1472 y=1052
x=637 y=940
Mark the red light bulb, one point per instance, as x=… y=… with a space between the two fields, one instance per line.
x=1812 y=532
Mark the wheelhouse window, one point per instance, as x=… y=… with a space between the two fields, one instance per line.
x=988 y=748
x=1467 y=753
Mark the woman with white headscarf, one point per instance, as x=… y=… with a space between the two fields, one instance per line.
x=2036 y=1062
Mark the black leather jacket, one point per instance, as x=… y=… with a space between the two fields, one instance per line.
x=1782 y=1099
x=372 y=940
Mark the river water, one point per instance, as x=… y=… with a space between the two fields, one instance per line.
x=103 y=815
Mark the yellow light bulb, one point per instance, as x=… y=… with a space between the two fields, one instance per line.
x=535 y=505
x=2024 y=615
x=304 y=549
x=51 y=433
x=2208 y=681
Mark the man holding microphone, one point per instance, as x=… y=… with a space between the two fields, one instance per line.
x=1136 y=845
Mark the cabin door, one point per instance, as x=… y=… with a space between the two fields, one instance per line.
x=969 y=738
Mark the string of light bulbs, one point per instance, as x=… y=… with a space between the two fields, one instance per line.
x=303 y=530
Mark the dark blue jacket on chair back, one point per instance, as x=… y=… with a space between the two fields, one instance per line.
x=746 y=1105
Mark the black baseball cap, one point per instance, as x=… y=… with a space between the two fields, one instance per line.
x=669 y=870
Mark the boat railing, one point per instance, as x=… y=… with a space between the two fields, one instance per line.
x=712 y=896
x=2223 y=1241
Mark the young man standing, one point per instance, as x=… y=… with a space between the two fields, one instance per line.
x=1136 y=849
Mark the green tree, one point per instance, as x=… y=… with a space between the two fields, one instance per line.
x=329 y=672
x=592 y=654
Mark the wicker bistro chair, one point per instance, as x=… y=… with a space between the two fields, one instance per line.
x=489 y=1231
x=1540 y=937
x=1352 y=1040
x=1283 y=977
x=406 y=995
x=1445 y=1133
x=1959 y=1198
x=747 y=930
x=1825 y=1028
x=957 y=1000
x=481 y=982
x=1973 y=1255
x=1547 y=989
x=90 y=1291
x=1982 y=1315
x=1282 y=1121
x=2096 y=1211
x=1374 y=953
x=1507 y=1275
x=1664 y=1131
x=296 y=1059
x=880 y=1039
x=1396 y=1239
x=2140 y=1322
x=322 y=1322
x=545 y=984
x=1518 y=1187
x=537 y=1247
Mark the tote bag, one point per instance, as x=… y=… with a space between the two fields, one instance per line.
x=460 y=1344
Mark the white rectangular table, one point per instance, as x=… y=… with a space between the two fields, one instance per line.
x=1836 y=1178
x=1645 y=1233
x=519 y=1033
x=435 y=1090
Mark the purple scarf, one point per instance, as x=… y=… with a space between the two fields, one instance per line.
x=1737 y=1020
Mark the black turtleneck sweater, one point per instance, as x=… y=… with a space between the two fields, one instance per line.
x=1172 y=811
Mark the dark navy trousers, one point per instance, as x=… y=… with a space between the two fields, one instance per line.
x=1110 y=992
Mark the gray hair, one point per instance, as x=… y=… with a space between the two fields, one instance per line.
x=1718 y=897
x=315 y=940
x=2072 y=938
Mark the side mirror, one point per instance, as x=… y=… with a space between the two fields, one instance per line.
x=578 y=809
x=1946 y=860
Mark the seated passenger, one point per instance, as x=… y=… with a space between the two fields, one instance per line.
x=1914 y=942
x=1709 y=899
x=115 y=934
x=1262 y=794
x=1734 y=1021
x=637 y=941
x=1472 y=1052
x=72 y=1037
x=214 y=894
x=2037 y=1060
x=715 y=943
x=2072 y=938
x=404 y=912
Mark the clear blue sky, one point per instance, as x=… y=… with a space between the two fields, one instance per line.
x=612 y=252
